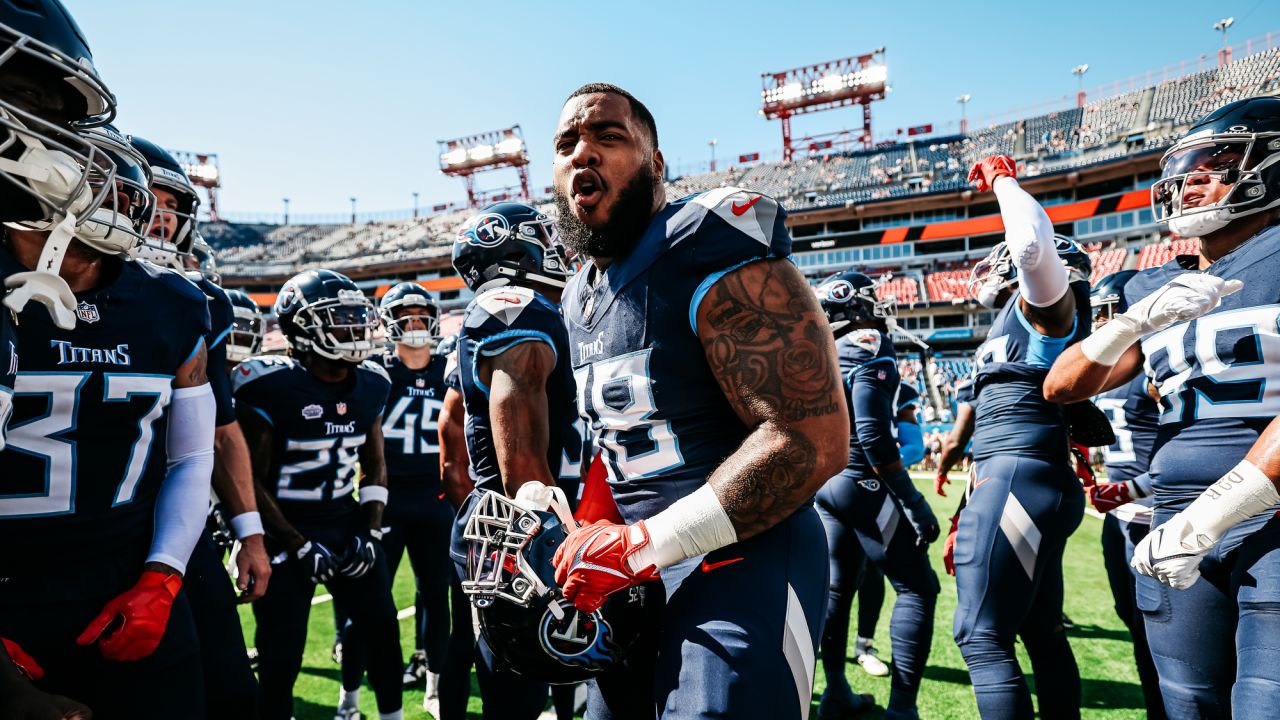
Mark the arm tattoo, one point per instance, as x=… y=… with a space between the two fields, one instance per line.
x=771 y=350
x=196 y=375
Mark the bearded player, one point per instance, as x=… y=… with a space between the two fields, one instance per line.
x=708 y=373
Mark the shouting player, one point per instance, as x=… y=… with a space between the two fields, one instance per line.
x=1205 y=328
x=708 y=373
x=1025 y=499
x=308 y=419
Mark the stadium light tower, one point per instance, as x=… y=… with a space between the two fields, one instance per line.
x=415 y=206
x=465 y=156
x=964 y=102
x=202 y=169
x=857 y=80
x=353 y=211
x=1079 y=72
x=1224 y=55
x=286 y=210
x=713 y=142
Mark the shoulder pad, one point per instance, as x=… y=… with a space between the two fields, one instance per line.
x=504 y=303
x=177 y=283
x=751 y=213
x=867 y=339
x=376 y=368
x=258 y=367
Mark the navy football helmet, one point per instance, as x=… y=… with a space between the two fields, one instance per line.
x=1237 y=145
x=323 y=312
x=850 y=297
x=171 y=232
x=405 y=295
x=200 y=262
x=248 y=328
x=509 y=243
x=1108 y=295
x=118 y=224
x=996 y=271
x=524 y=616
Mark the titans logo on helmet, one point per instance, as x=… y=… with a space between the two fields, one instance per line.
x=836 y=291
x=488 y=230
x=575 y=638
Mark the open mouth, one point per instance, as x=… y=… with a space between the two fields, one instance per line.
x=588 y=189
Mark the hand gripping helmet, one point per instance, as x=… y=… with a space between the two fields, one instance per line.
x=1108 y=295
x=48 y=91
x=509 y=243
x=1236 y=145
x=523 y=615
x=171 y=232
x=850 y=297
x=405 y=295
x=996 y=271
x=323 y=312
x=248 y=327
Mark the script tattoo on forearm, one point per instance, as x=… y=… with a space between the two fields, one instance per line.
x=771 y=350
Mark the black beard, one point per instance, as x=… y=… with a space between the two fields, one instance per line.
x=621 y=230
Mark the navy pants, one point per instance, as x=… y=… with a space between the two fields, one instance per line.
x=45 y=613
x=1009 y=584
x=231 y=690
x=1118 y=540
x=1216 y=645
x=282 y=615
x=862 y=520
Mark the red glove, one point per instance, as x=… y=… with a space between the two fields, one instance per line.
x=984 y=172
x=949 y=547
x=22 y=660
x=591 y=563
x=140 y=615
x=1084 y=471
x=1106 y=497
x=939 y=482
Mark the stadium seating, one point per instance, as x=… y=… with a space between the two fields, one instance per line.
x=906 y=290
x=948 y=286
x=1157 y=254
x=1106 y=262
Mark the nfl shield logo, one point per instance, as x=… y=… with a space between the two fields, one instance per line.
x=87 y=312
x=341 y=408
x=420 y=382
x=882 y=374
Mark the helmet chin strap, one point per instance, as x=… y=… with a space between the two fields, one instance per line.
x=1200 y=224
x=43 y=284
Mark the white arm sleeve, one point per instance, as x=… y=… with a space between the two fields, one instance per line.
x=183 y=502
x=1028 y=233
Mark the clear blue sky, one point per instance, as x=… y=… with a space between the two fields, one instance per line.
x=319 y=100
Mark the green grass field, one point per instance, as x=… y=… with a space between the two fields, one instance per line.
x=1101 y=644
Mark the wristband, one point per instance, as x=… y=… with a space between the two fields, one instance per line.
x=1242 y=493
x=1107 y=344
x=246 y=524
x=373 y=493
x=693 y=525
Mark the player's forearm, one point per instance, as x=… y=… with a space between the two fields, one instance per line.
x=521 y=434
x=1074 y=377
x=232 y=472
x=274 y=521
x=454 y=461
x=1042 y=279
x=183 y=500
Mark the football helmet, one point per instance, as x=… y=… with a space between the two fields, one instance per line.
x=1238 y=145
x=509 y=243
x=248 y=327
x=850 y=297
x=171 y=232
x=118 y=224
x=1108 y=294
x=200 y=262
x=996 y=271
x=524 y=617
x=323 y=312
x=410 y=294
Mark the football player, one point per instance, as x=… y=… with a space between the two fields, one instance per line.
x=871 y=510
x=708 y=374
x=420 y=519
x=517 y=387
x=230 y=687
x=309 y=418
x=1205 y=327
x=247 y=330
x=110 y=449
x=1125 y=497
x=1025 y=501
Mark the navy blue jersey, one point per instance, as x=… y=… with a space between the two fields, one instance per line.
x=1135 y=419
x=317 y=429
x=1012 y=416
x=221 y=318
x=964 y=391
x=870 y=369
x=657 y=413
x=907 y=396
x=410 y=435
x=1218 y=376
x=496 y=321
x=86 y=446
x=8 y=365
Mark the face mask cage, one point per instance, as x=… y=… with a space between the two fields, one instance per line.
x=246 y=336
x=995 y=269
x=159 y=243
x=397 y=324
x=1236 y=160
x=119 y=224
x=340 y=328
x=95 y=105
x=496 y=533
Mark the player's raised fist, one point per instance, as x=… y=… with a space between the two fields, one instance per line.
x=983 y=174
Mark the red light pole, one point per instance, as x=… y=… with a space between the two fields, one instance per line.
x=857 y=80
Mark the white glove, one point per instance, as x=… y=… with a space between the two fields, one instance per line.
x=1171 y=553
x=533 y=496
x=1183 y=298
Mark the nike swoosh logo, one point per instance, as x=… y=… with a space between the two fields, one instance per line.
x=513 y=301
x=979 y=483
x=708 y=567
x=739 y=209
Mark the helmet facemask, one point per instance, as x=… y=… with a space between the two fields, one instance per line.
x=247 y=332
x=118 y=225
x=1238 y=160
x=169 y=237
x=338 y=329
x=397 y=322
x=991 y=275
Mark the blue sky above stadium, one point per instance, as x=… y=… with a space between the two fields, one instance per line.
x=320 y=101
